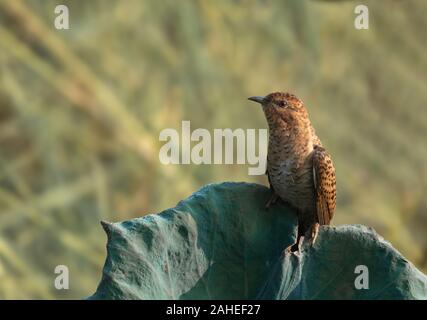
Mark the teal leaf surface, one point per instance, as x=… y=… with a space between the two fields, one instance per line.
x=221 y=243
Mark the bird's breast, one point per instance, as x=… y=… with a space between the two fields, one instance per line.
x=290 y=169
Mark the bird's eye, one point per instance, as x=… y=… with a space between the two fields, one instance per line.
x=281 y=104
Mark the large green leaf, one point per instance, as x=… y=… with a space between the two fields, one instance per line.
x=221 y=243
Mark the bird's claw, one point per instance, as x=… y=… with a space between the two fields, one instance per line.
x=314 y=233
x=294 y=248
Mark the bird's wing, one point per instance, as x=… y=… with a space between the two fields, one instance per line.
x=324 y=185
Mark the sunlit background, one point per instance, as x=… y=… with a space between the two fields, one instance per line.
x=81 y=111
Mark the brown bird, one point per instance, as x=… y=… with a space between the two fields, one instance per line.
x=299 y=170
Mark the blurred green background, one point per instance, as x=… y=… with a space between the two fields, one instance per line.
x=81 y=111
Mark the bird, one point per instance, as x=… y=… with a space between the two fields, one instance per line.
x=299 y=169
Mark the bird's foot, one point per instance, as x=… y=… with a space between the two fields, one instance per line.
x=295 y=248
x=287 y=251
x=273 y=199
x=314 y=232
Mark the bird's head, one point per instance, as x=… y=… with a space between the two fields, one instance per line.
x=280 y=103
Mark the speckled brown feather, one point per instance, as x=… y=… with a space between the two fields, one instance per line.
x=324 y=184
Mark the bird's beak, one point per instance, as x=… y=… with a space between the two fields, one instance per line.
x=257 y=99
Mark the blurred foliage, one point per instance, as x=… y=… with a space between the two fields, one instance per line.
x=81 y=111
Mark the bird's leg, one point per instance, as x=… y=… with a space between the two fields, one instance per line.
x=296 y=247
x=273 y=199
x=314 y=231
